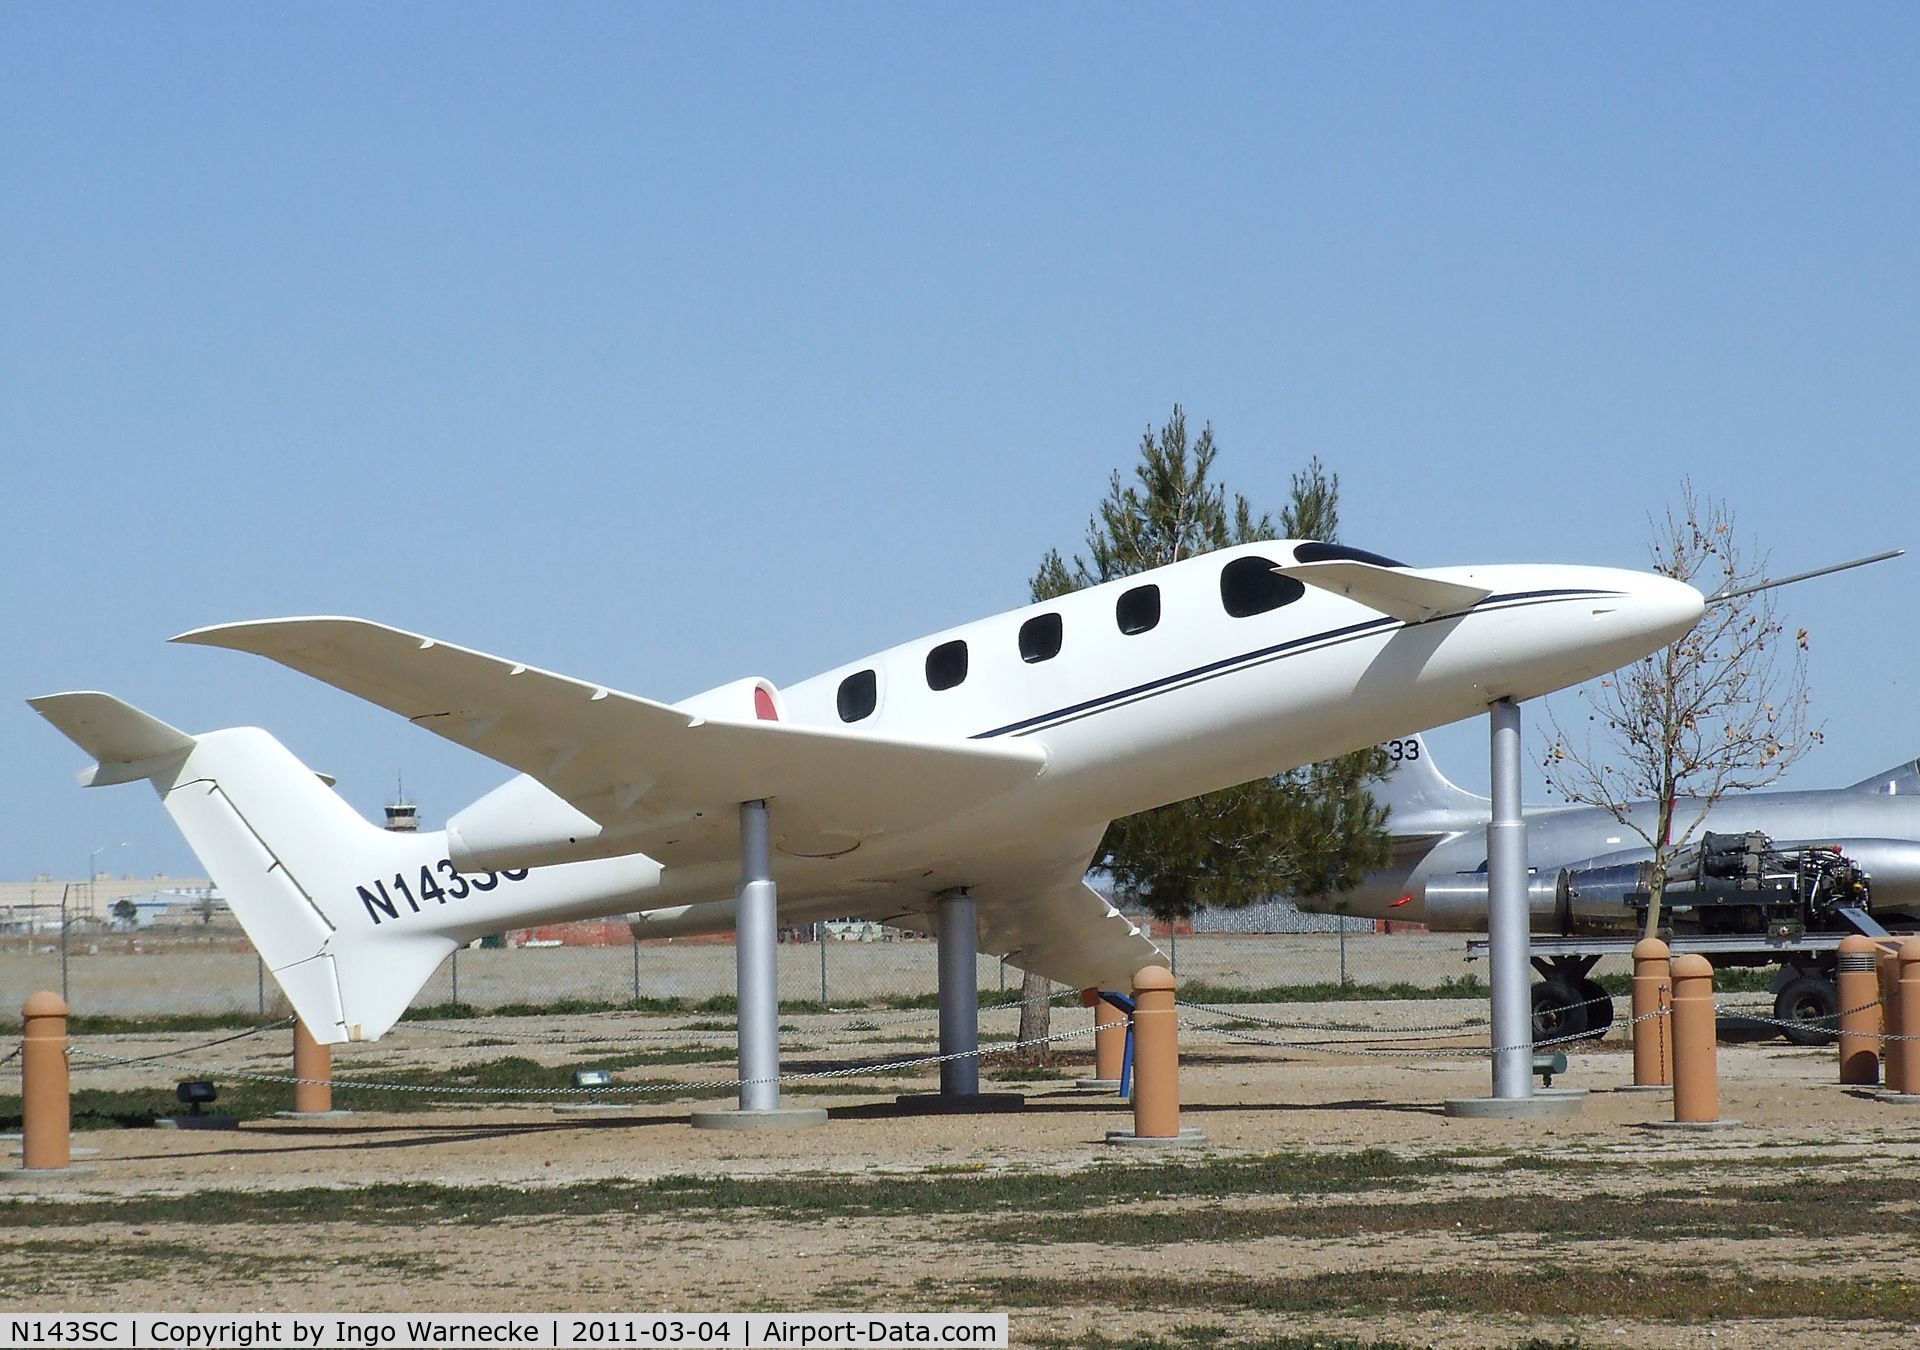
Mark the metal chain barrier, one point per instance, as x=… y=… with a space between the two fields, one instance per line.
x=1435 y=1029
x=1432 y=1052
x=897 y=1017
x=704 y=1085
x=281 y=1025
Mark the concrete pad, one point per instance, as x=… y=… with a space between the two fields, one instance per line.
x=1691 y=1125
x=76 y=1151
x=1128 y=1139
x=310 y=1115
x=1898 y=1098
x=1541 y=1105
x=779 y=1118
x=197 y=1123
x=43 y=1173
x=1099 y=1085
x=1643 y=1087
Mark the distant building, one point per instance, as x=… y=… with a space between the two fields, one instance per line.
x=35 y=906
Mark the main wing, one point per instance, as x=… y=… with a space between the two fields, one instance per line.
x=647 y=777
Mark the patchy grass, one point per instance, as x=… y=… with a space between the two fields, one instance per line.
x=1206 y=1336
x=1463 y=986
x=48 y=1267
x=1695 y=1297
x=513 y=1077
x=794 y=1199
x=1802 y=1210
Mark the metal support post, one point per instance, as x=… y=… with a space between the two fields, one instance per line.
x=958 y=928
x=820 y=936
x=1509 y=944
x=757 y=988
x=756 y=952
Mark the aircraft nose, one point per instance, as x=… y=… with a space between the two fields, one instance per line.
x=1665 y=609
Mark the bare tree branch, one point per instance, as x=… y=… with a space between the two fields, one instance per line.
x=1717 y=712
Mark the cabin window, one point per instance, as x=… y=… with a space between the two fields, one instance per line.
x=1040 y=638
x=1318 y=552
x=1249 y=586
x=947 y=665
x=1138 y=609
x=859 y=695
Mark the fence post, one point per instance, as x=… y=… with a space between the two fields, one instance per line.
x=1156 y=1064
x=46 y=1108
x=1860 y=1024
x=1652 y=1020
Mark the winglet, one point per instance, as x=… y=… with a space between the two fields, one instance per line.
x=1401 y=592
x=127 y=744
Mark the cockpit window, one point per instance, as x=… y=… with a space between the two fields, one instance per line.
x=1249 y=586
x=1313 y=551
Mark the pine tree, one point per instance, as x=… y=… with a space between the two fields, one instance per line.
x=1311 y=831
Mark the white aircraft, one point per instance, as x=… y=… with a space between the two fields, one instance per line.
x=978 y=765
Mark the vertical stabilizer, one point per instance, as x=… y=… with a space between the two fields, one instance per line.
x=351 y=919
x=1421 y=798
x=285 y=851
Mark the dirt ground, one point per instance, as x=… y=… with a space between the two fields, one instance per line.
x=1145 y=1282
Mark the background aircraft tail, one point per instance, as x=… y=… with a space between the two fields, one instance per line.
x=306 y=875
x=1902 y=780
x=1423 y=801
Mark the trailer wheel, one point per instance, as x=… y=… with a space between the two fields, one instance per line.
x=1557 y=1010
x=1811 y=1001
x=1599 y=1008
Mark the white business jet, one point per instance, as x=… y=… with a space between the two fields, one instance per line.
x=959 y=783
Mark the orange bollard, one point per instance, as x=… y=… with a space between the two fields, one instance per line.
x=1903 y=1047
x=1859 y=987
x=1894 y=1068
x=311 y=1061
x=1696 y=1082
x=1652 y=1022
x=1109 y=1041
x=46 y=1108
x=1156 y=1055
x=1156 y=1064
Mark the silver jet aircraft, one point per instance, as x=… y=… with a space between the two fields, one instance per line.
x=1438 y=873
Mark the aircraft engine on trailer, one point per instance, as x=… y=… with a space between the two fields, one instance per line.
x=1726 y=883
x=1457 y=902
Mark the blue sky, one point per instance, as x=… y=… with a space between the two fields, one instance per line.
x=664 y=345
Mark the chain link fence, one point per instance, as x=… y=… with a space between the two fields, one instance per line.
x=205 y=967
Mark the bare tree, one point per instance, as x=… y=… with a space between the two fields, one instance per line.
x=1717 y=712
